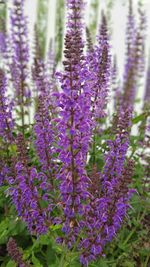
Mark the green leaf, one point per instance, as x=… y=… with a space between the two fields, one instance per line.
x=123 y=247
x=100 y=263
x=45 y=240
x=35 y=261
x=55 y=227
x=13 y=148
x=4 y=230
x=27 y=253
x=139 y=118
x=16 y=227
x=128 y=263
x=4 y=225
x=11 y=264
x=50 y=255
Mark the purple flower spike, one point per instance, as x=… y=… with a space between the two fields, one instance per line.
x=99 y=61
x=20 y=58
x=6 y=126
x=74 y=124
x=25 y=183
x=15 y=253
x=134 y=66
x=109 y=195
x=44 y=142
x=6 y=122
x=147 y=87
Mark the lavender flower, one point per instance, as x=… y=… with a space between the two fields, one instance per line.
x=2 y=42
x=20 y=67
x=6 y=122
x=135 y=56
x=44 y=142
x=6 y=127
x=24 y=184
x=74 y=124
x=147 y=87
x=99 y=64
x=38 y=68
x=45 y=126
x=146 y=107
x=130 y=31
x=115 y=158
x=104 y=216
x=115 y=84
x=141 y=40
x=109 y=195
x=134 y=66
x=89 y=41
x=50 y=65
x=15 y=253
x=43 y=76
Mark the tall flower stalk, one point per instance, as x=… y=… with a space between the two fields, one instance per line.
x=134 y=66
x=146 y=106
x=99 y=62
x=28 y=189
x=20 y=67
x=102 y=69
x=44 y=141
x=74 y=123
x=6 y=127
x=6 y=121
x=15 y=253
x=2 y=31
x=109 y=196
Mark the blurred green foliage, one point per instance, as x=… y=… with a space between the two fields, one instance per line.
x=42 y=24
x=2 y=16
x=59 y=29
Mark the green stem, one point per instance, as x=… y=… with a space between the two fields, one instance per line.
x=139 y=219
x=129 y=236
x=62 y=261
x=146 y=261
x=94 y=149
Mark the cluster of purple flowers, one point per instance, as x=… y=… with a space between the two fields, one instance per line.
x=6 y=122
x=99 y=64
x=25 y=183
x=15 y=253
x=90 y=205
x=147 y=87
x=6 y=125
x=134 y=66
x=45 y=138
x=20 y=59
x=109 y=198
x=74 y=123
x=104 y=216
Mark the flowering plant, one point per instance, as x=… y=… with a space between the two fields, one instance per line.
x=68 y=174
